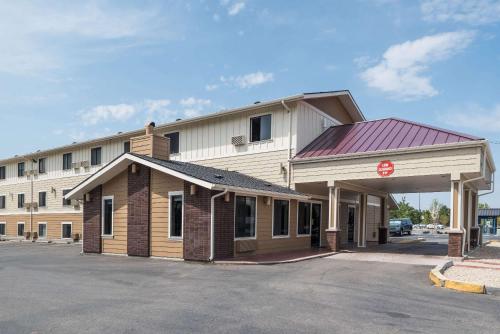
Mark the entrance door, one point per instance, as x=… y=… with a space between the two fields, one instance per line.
x=350 y=224
x=315 y=225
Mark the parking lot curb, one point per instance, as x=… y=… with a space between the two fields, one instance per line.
x=246 y=262
x=437 y=277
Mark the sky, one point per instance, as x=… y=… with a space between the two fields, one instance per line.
x=74 y=70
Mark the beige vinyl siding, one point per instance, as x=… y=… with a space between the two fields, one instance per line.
x=333 y=107
x=310 y=125
x=463 y=160
x=161 y=245
x=117 y=187
x=53 y=223
x=373 y=218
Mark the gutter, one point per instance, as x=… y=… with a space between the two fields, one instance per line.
x=212 y=222
x=289 y=174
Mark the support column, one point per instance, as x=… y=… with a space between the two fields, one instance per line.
x=333 y=231
x=455 y=236
x=474 y=230
x=384 y=221
x=363 y=203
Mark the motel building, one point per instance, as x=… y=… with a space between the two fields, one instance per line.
x=300 y=172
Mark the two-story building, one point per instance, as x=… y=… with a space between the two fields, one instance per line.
x=303 y=171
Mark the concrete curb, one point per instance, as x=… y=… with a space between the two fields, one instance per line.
x=437 y=277
x=236 y=262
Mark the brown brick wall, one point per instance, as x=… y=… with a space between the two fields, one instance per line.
x=196 y=224
x=92 y=222
x=224 y=228
x=138 y=214
x=455 y=244
x=333 y=240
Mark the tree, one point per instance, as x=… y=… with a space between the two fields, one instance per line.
x=435 y=210
x=427 y=217
x=405 y=210
x=444 y=215
x=483 y=205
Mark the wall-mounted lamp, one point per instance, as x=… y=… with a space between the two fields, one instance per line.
x=192 y=189
x=227 y=197
x=87 y=197
x=267 y=200
x=53 y=190
x=134 y=168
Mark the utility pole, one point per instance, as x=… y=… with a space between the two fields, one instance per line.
x=419 y=211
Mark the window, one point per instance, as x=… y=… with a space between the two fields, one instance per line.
x=174 y=141
x=42 y=230
x=304 y=219
x=42 y=165
x=2 y=228
x=42 y=199
x=66 y=230
x=126 y=147
x=2 y=202
x=260 y=128
x=107 y=215
x=67 y=161
x=245 y=214
x=2 y=173
x=66 y=202
x=20 y=169
x=20 y=201
x=20 y=229
x=95 y=156
x=175 y=217
x=281 y=211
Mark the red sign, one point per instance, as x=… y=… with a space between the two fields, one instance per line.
x=385 y=168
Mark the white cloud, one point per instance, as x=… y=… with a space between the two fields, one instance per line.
x=474 y=12
x=475 y=117
x=235 y=8
x=117 y=112
x=401 y=72
x=212 y=87
x=35 y=35
x=194 y=102
x=248 y=80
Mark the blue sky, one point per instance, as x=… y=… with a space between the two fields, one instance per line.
x=71 y=71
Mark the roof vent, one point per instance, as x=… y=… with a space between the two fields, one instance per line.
x=256 y=102
x=269 y=185
x=178 y=119
x=218 y=176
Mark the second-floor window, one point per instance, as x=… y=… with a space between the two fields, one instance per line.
x=2 y=202
x=95 y=156
x=20 y=169
x=67 y=161
x=260 y=128
x=42 y=168
x=2 y=173
x=42 y=199
x=20 y=201
x=66 y=202
x=174 y=141
x=126 y=147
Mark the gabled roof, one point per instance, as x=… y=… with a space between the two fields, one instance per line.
x=379 y=135
x=207 y=177
x=488 y=212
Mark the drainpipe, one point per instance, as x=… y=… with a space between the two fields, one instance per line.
x=212 y=222
x=289 y=142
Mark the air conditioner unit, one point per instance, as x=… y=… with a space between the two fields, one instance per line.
x=75 y=203
x=238 y=140
x=75 y=165
x=27 y=206
x=34 y=205
x=85 y=164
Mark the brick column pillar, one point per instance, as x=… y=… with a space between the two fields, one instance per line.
x=196 y=234
x=138 y=213
x=92 y=222
x=455 y=240
x=455 y=235
x=224 y=227
x=382 y=230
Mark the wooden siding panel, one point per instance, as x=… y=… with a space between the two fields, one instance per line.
x=117 y=187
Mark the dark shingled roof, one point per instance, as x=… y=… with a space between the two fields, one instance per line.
x=488 y=212
x=379 y=135
x=219 y=176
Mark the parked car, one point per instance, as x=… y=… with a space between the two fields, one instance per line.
x=431 y=226
x=400 y=226
x=440 y=227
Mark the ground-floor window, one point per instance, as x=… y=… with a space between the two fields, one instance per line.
x=281 y=219
x=42 y=230
x=245 y=217
x=304 y=219
x=66 y=230
x=20 y=229
x=2 y=228
x=175 y=215
x=107 y=215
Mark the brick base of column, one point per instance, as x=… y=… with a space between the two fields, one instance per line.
x=333 y=240
x=455 y=244
x=474 y=237
x=382 y=235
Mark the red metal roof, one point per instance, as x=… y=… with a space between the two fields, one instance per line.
x=379 y=135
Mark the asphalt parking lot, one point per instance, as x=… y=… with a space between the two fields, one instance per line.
x=52 y=289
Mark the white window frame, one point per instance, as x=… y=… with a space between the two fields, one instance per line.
x=250 y=128
x=170 y=195
x=272 y=220
x=17 y=201
x=42 y=191
x=62 y=165
x=310 y=219
x=5 y=169
x=45 y=223
x=17 y=229
x=5 y=203
x=90 y=162
x=38 y=165
x=104 y=198
x=62 y=195
x=66 y=223
x=178 y=153
x=256 y=216
x=5 y=228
